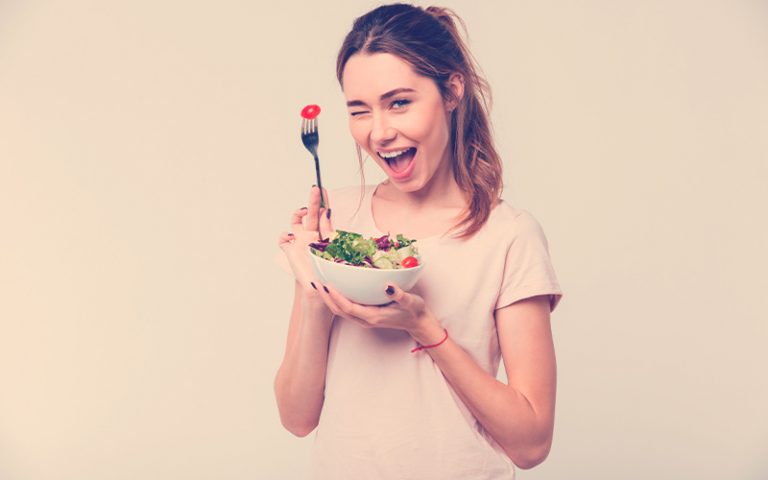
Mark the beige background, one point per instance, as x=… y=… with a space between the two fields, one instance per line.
x=149 y=157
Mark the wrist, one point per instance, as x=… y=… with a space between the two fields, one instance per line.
x=428 y=330
x=314 y=306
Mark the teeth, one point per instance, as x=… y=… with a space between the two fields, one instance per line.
x=393 y=154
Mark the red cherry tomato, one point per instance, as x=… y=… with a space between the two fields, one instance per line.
x=310 y=111
x=409 y=262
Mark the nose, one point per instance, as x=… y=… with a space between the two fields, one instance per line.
x=381 y=131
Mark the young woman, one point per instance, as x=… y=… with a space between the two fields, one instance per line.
x=486 y=292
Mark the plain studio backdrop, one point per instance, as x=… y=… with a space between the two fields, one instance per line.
x=150 y=157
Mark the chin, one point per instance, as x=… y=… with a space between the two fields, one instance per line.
x=412 y=185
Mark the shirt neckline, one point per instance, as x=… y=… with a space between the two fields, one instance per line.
x=370 y=191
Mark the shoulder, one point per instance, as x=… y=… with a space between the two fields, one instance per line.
x=512 y=222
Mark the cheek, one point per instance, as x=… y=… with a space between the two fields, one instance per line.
x=425 y=126
x=358 y=131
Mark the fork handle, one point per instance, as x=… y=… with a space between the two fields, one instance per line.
x=319 y=183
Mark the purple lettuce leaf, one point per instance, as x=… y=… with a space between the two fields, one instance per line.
x=382 y=243
x=321 y=246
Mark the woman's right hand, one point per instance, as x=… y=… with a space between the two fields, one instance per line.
x=308 y=225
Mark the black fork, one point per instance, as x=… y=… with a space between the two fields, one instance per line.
x=311 y=139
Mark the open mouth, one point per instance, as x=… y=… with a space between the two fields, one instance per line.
x=401 y=162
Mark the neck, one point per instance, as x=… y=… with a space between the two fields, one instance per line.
x=440 y=192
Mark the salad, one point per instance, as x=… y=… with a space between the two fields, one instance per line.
x=352 y=249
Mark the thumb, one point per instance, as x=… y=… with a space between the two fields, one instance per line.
x=398 y=295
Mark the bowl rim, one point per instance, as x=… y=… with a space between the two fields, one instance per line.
x=321 y=259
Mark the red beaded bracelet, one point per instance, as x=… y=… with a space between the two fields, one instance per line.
x=422 y=347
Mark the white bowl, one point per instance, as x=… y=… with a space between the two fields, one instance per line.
x=364 y=285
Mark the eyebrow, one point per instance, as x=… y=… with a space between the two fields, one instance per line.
x=391 y=93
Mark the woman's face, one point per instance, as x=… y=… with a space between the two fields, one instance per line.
x=393 y=110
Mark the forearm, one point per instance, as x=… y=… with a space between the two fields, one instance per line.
x=300 y=381
x=505 y=413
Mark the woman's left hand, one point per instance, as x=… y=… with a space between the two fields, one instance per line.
x=406 y=311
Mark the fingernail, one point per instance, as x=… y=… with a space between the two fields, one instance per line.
x=313 y=285
x=290 y=234
x=303 y=208
x=390 y=290
x=328 y=214
x=313 y=185
x=326 y=289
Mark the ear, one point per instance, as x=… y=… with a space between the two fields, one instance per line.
x=456 y=85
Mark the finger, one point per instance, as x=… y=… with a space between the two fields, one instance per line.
x=314 y=209
x=346 y=306
x=286 y=238
x=398 y=295
x=297 y=215
x=328 y=300
x=326 y=202
x=326 y=223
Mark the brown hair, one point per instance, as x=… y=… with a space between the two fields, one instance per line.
x=428 y=40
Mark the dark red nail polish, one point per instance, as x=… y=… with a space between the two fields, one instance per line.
x=313 y=285
x=326 y=289
x=290 y=235
x=328 y=214
x=303 y=208
x=390 y=290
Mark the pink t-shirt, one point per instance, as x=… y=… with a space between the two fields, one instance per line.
x=391 y=414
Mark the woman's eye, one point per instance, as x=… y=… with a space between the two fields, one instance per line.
x=401 y=103
x=396 y=104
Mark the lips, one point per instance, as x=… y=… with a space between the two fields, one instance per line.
x=401 y=166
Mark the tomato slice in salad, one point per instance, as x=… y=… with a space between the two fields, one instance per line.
x=409 y=262
x=310 y=111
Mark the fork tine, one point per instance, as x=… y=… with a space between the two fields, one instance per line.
x=308 y=126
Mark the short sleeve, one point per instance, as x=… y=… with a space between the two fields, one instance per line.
x=528 y=270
